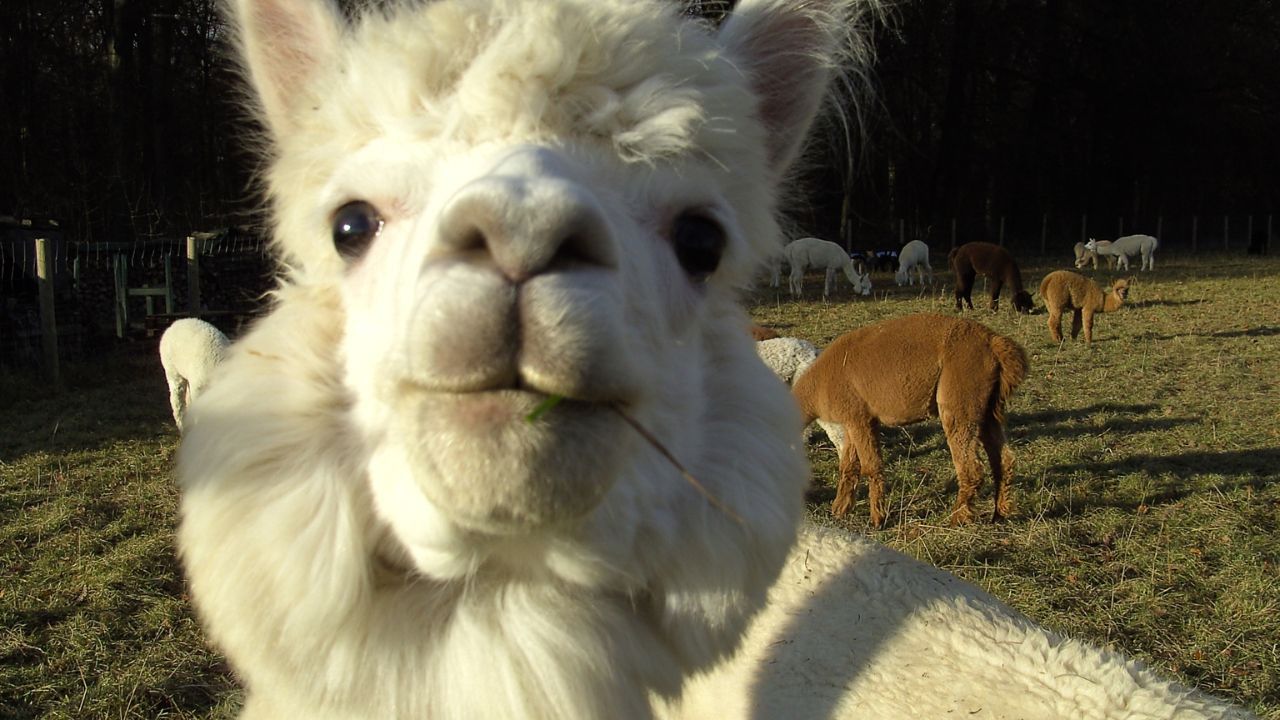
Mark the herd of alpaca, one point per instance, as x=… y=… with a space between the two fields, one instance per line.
x=521 y=459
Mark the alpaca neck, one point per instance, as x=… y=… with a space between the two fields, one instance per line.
x=1111 y=302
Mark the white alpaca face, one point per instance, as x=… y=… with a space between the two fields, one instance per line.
x=515 y=280
x=483 y=205
x=541 y=222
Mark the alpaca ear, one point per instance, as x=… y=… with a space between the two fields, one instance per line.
x=282 y=45
x=790 y=51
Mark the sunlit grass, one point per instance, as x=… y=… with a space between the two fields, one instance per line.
x=1147 y=506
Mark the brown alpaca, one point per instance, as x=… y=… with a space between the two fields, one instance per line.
x=906 y=370
x=760 y=332
x=982 y=258
x=1065 y=290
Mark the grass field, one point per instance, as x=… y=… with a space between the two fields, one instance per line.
x=1148 y=512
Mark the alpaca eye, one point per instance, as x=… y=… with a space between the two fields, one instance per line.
x=355 y=225
x=699 y=243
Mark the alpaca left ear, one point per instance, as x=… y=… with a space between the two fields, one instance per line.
x=791 y=51
x=283 y=43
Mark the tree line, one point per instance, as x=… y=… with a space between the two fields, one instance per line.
x=119 y=117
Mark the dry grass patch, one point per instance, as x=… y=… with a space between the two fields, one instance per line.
x=1147 y=504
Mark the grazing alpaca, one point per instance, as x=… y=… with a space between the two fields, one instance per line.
x=1123 y=248
x=914 y=255
x=486 y=206
x=1065 y=290
x=825 y=255
x=189 y=351
x=906 y=370
x=982 y=258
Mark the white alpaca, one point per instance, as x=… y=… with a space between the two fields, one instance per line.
x=913 y=256
x=189 y=351
x=825 y=255
x=1123 y=248
x=485 y=206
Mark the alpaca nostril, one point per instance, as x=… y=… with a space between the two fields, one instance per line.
x=527 y=226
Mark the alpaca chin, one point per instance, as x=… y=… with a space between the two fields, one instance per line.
x=488 y=467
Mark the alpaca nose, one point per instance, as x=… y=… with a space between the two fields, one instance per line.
x=528 y=223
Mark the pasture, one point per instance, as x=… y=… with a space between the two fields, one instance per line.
x=1147 y=512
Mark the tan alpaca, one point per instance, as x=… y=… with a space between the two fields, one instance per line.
x=1065 y=290
x=906 y=370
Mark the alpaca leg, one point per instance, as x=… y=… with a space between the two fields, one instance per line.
x=995 y=293
x=1001 y=459
x=963 y=397
x=1075 y=323
x=864 y=446
x=177 y=397
x=797 y=280
x=1088 y=326
x=828 y=282
x=850 y=474
x=962 y=439
x=1055 y=324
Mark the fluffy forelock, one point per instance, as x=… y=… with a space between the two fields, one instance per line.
x=634 y=78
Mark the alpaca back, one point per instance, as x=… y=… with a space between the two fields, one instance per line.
x=1063 y=289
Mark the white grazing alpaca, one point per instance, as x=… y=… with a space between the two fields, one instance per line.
x=913 y=255
x=1123 y=248
x=189 y=351
x=825 y=255
x=486 y=207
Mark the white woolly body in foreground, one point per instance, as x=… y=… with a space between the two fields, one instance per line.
x=483 y=204
x=189 y=351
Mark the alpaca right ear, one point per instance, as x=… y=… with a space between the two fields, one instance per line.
x=791 y=51
x=282 y=45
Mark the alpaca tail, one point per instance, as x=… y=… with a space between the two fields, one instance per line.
x=1013 y=363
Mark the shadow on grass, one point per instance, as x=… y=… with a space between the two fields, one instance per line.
x=1260 y=463
x=1261 y=331
x=1138 y=304
x=1071 y=422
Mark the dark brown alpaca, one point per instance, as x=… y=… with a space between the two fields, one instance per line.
x=983 y=258
x=1065 y=290
x=906 y=370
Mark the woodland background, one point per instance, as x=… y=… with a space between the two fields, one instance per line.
x=118 y=118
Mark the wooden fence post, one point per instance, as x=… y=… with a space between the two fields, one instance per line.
x=193 y=277
x=48 y=314
x=1001 y=231
x=1159 y=226
x=1084 y=228
x=1120 y=227
x=902 y=232
x=1044 y=232
x=953 y=233
x=1195 y=230
x=1226 y=232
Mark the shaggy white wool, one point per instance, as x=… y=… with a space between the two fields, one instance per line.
x=856 y=630
x=190 y=349
x=388 y=536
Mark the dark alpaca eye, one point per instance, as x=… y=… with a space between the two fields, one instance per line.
x=699 y=244
x=355 y=225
